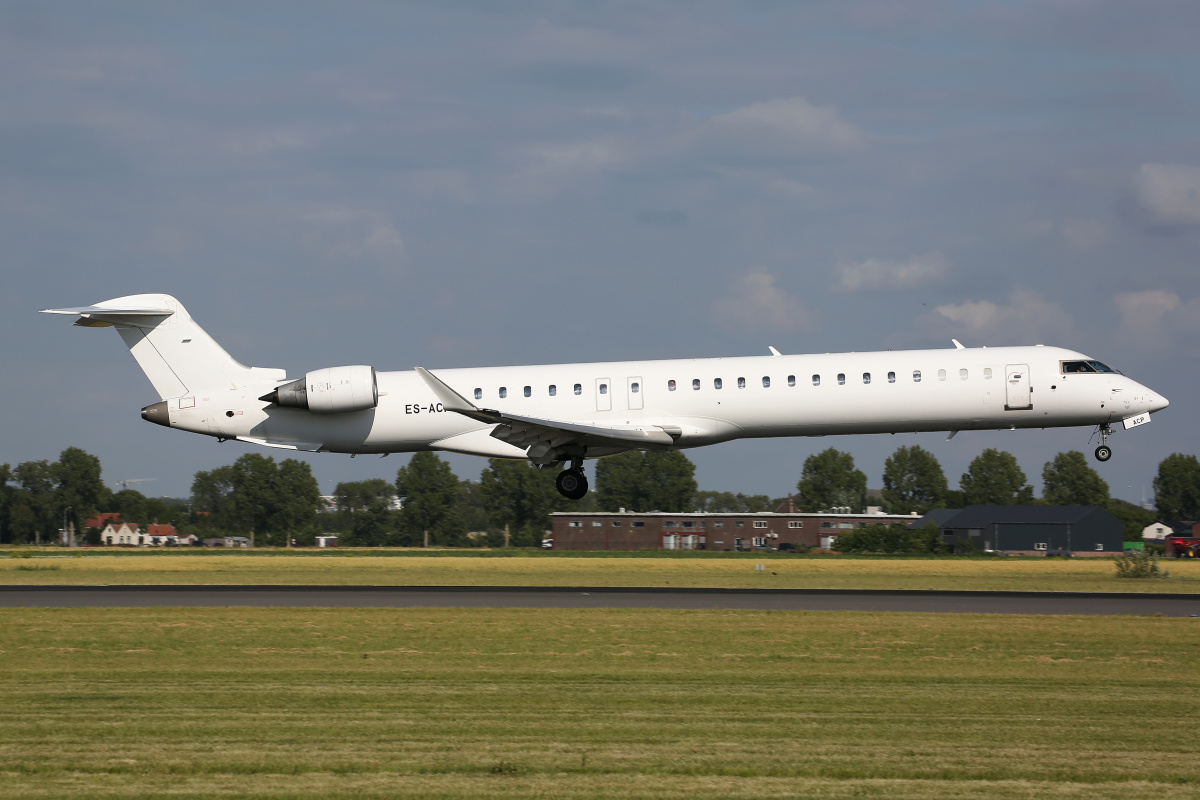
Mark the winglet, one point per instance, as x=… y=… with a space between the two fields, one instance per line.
x=774 y=352
x=450 y=399
x=453 y=401
x=958 y=345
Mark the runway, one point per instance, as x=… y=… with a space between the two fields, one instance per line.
x=1167 y=605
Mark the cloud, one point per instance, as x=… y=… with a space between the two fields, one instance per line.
x=754 y=302
x=778 y=129
x=342 y=232
x=1027 y=318
x=661 y=217
x=1083 y=234
x=1156 y=320
x=877 y=275
x=1168 y=195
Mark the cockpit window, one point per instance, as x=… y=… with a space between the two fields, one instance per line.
x=1070 y=367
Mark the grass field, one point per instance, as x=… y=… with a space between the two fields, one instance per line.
x=475 y=568
x=458 y=703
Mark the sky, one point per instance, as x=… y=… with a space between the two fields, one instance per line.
x=462 y=183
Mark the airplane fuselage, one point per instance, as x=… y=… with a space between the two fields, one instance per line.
x=703 y=401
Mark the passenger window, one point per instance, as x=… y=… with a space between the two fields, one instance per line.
x=479 y=394
x=866 y=377
x=891 y=377
x=716 y=383
x=503 y=392
x=604 y=388
x=695 y=384
x=579 y=388
x=670 y=386
x=987 y=373
x=941 y=374
x=791 y=380
x=766 y=382
x=741 y=383
x=553 y=390
x=841 y=379
x=962 y=374
x=916 y=376
x=634 y=387
x=528 y=391
x=816 y=380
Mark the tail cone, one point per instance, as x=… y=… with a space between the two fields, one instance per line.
x=157 y=413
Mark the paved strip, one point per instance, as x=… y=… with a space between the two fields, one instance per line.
x=1168 y=605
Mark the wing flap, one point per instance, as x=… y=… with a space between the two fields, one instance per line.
x=308 y=447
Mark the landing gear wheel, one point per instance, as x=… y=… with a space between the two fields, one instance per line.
x=1103 y=453
x=571 y=484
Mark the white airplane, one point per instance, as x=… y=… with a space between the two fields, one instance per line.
x=563 y=413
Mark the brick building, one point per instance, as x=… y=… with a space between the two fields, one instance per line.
x=656 y=530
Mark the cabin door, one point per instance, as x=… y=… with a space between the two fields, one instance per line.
x=635 y=393
x=603 y=394
x=1019 y=391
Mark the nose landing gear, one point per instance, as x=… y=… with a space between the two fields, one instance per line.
x=572 y=483
x=1104 y=452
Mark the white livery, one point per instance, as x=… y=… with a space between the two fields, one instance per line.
x=563 y=413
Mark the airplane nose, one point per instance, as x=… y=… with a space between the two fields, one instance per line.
x=1158 y=403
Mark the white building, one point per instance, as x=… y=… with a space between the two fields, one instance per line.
x=1156 y=532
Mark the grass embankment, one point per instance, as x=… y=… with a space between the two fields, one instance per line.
x=457 y=703
x=422 y=568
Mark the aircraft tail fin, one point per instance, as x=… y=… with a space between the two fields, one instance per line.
x=176 y=354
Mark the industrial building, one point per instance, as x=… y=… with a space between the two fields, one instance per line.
x=1029 y=530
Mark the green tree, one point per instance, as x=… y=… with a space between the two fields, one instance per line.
x=471 y=509
x=6 y=499
x=893 y=538
x=829 y=480
x=730 y=503
x=429 y=490
x=646 y=481
x=1069 y=481
x=1177 y=488
x=364 y=512
x=253 y=499
x=520 y=496
x=1134 y=518
x=994 y=478
x=212 y=499
x=254 y=494
x=913 y=481
x=34 y=514
x=297 y=499
x=78 y=489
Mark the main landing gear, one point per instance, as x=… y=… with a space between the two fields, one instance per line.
x=1104 y=452
x=572 y=483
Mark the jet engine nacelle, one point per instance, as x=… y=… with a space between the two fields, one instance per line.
x=333 y=390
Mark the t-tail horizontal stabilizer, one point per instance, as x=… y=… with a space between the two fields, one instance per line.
x=176 y=354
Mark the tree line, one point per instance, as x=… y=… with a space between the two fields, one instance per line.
x=511 y=502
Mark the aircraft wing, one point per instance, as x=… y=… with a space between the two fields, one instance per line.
x=526 y=432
